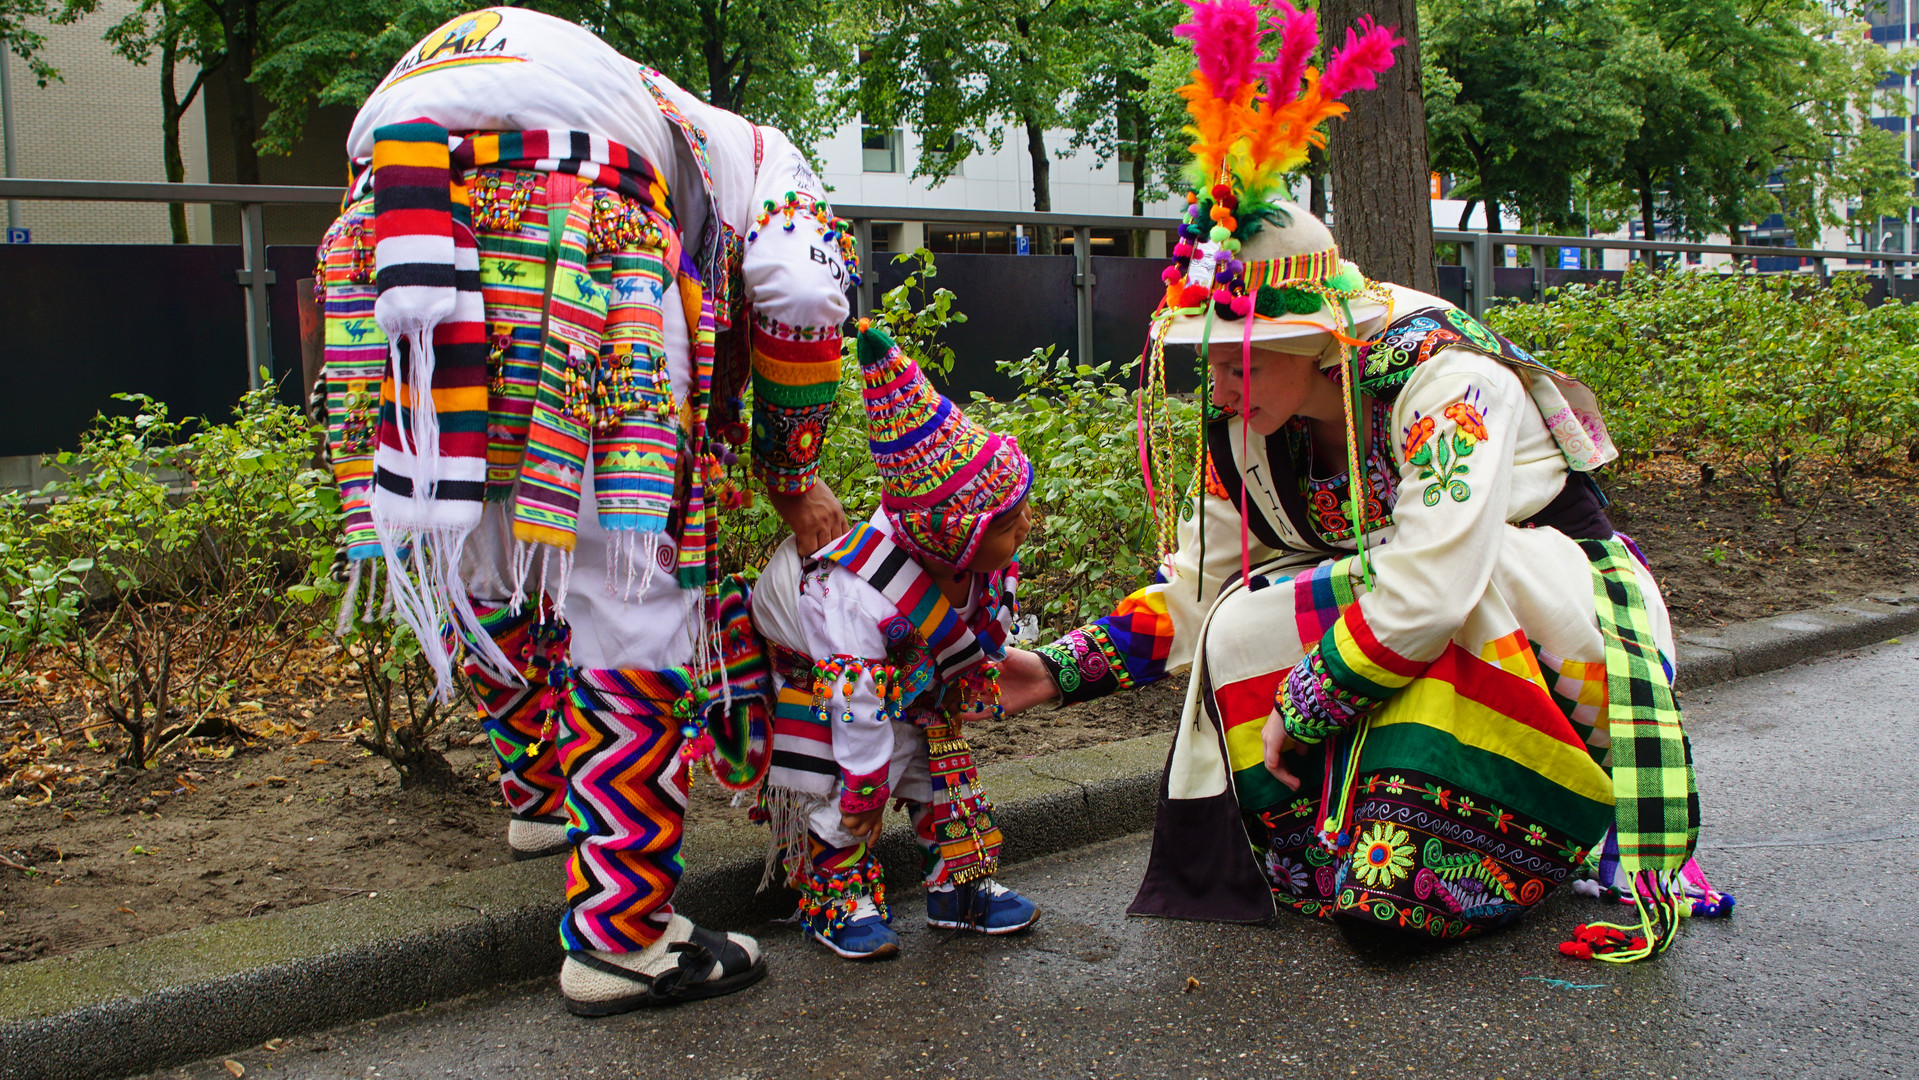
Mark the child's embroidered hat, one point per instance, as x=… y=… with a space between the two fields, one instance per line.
x=944 y=478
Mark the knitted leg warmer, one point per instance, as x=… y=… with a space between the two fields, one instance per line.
x=521 y=720
x=626 y=806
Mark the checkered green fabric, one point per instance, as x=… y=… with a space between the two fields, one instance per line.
x=1656 y=799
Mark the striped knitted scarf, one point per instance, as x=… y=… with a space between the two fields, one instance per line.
x=429 y=459
x=432 y=463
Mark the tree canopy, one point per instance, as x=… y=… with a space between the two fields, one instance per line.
x=18 y=36
x=962 y=75
x=1704 y=115
x=786 y=63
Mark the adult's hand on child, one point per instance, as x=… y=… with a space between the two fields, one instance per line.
x=1024 y=682
x=864 y=826
x=815 y=516
x=1277 y=743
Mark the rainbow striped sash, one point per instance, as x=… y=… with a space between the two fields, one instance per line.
x=952 y=644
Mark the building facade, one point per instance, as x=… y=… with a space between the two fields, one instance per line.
x=102 y=121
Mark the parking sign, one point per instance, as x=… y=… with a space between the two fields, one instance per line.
x=19 y=236
x=1568 y=258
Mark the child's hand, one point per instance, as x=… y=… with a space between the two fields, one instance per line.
x=864 y=826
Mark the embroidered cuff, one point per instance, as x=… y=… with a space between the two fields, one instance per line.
x=858 y=794
x=1314 y=705
x=796 y=374
x=1084 y=665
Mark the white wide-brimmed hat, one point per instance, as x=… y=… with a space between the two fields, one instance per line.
x=1288 y=282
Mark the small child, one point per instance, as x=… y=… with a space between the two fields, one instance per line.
x=880 y=642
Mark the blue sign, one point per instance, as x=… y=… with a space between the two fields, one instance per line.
x=1568 y=258
x=19 y=236
x=1025 y=243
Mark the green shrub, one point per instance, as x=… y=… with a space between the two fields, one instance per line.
x=1095 y=537
x=1765 y=370
x=168 y=562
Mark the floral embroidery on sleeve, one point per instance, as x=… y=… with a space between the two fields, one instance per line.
x=1443 y=459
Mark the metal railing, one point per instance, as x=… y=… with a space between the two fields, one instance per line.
x=253 y=275
x=1080 y=225
x=1477 y=247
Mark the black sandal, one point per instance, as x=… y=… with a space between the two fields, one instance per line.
x=699 y=954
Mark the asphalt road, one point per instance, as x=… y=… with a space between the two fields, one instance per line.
x=1807 y=780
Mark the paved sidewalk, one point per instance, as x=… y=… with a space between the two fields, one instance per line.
x=110 y=1012
x=1810 y=810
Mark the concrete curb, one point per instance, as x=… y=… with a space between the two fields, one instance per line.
x=202 y=992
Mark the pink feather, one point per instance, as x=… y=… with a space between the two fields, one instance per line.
x=1369 y=51
x=1298 y=37
x=1226 y=38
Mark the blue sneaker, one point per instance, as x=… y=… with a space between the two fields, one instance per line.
x=985 y=906
x=862 y=934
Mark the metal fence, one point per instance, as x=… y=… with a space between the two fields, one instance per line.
x=87 y=320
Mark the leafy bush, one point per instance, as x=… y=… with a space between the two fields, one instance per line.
x=1765 y=370
x=402 y=712
x=1094 y=540
x=158 y=573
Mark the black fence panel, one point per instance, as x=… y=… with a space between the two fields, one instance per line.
x=290 y=263
x=86 y=321
x=1452 y=284
x=1905 y=290
x=1013 y=305
x=1125 y=292
x=1559 y=278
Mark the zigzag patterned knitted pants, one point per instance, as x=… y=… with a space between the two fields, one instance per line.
x=626 y=806
x=516 y=716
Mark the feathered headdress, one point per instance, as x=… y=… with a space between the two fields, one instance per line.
x=1255 y=119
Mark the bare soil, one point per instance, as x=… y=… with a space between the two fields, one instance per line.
x=1724 y=550
x=295 y=814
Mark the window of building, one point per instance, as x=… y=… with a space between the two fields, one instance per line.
x=880 y=149
x=970 y=239
x=945 y=150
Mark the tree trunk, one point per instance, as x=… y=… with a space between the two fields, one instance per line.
x=1042 y=184
x=719 y=73
x=1379 y=161
x=1316 y=182
x=240 y=26
x=172 y=109
x=1494 y=226
x=1136 y=148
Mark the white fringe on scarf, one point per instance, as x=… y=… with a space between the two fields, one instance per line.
x=788 y=810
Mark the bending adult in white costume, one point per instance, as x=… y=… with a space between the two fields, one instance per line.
x=572 y=268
